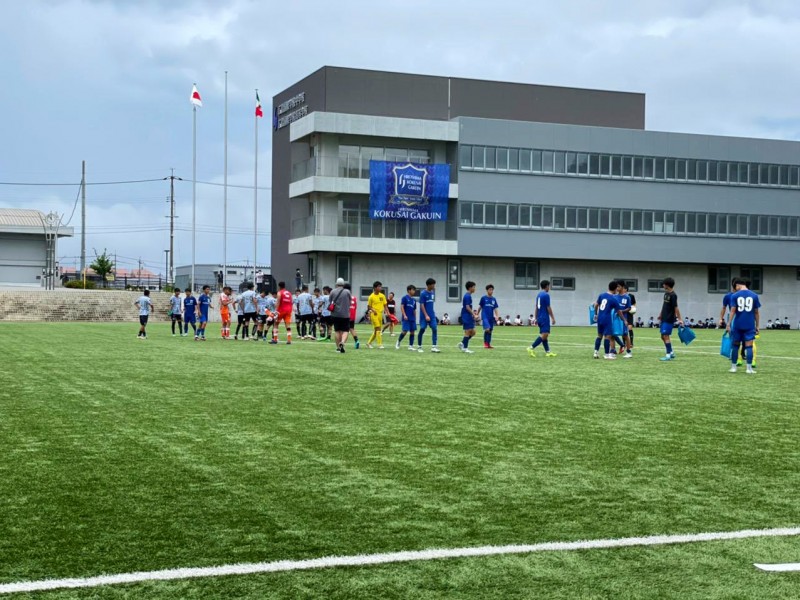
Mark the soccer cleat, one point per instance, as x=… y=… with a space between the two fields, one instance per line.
x=468 y=351
x=173 y=335
x=435 y=349
x=357 y=345
x=550 y=354
x=610 y=357
x=420 y=349
x=732 y=369
x=273 y=341
x=288 y=343
x=627 y=355
x=460 y=345
x=341 y=348
x=751 y=371
x=197 y=337
x=380 y=347
x=672 y=355
x=739 y=362
x=666 y=358
x=412 y=348
x=235 y=338
x=596 y=355
x=397 y=345
x=370 y=346
x=532 y=353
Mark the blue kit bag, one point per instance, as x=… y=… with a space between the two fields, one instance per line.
x=726 y=346
x=686 y=335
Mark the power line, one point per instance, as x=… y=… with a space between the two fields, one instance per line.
x=25 y=183
x=244 y=187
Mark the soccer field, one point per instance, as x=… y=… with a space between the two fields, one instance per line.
x=119 y=455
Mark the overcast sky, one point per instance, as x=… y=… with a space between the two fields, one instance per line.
x=109 y=82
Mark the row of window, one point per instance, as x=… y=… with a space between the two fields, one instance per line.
x=355 y=221
x=354 y=160
x=618 y=166
x=573 y=218
x=526 y=277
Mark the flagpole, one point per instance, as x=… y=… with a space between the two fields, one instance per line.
x=194 y=188
x=255 y=199
x=225 y=193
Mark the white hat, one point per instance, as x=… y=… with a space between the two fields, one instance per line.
x=340 y=281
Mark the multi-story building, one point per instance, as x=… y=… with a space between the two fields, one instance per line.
x=545 y=183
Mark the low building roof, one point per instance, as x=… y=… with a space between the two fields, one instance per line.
x=25 y=220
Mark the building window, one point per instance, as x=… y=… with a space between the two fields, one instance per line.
x=465 y=157
x=754 y=277
x=454 y=279
x=343 y=267
x=562 y=283
x=364 y=292
x=526 y=275
x=719 y=280
x=631 y=284
x=312 y=270
x=654 y=285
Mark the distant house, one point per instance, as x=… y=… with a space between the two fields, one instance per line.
x=28 y=240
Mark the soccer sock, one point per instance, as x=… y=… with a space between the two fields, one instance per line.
x=400 y=339
x=607 y=345
x=435 y=335
x=630 y=333
x=173 y=328
x=379 y=337
x=288 y=336
x=536 y=342
x=371 y=338
x=597 y=343
x=465 y=341
x=489 y=336
x=619 y=341
x=194 y=328
x=274 y=333
x=749 y=353
x=546 y=346
x=411 y=339
x=669 y=347
x=419 y=339
x=734 y=354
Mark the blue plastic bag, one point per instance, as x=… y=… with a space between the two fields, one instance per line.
x=591 y=314
x=726 y=346
x=617 y=325
x=686 y=335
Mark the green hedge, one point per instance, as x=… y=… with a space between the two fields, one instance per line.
x=78 y=285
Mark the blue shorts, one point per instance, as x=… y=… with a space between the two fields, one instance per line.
x=423 y=324
x=203 y=318
x=468 y=323
x=189 y=318
x=544 y=327
x=487 y=323
x=742 y=335
x=666 y=328
x=409 y=326
x=605 y=329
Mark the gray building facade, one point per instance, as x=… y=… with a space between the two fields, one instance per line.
x=546 y=183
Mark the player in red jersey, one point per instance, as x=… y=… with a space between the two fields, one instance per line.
x=285 y=305
x=353 y=311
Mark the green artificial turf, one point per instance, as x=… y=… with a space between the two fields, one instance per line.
x=121 y=455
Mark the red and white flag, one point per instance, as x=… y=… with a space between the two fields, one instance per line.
x=259 y=112
x=196 y=96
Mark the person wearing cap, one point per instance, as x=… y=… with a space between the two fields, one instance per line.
x=340 y=313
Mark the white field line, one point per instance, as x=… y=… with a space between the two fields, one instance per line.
x=361 y=560
x=778 y=568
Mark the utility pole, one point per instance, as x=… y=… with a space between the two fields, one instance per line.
x=171 y=200
x=83 y=216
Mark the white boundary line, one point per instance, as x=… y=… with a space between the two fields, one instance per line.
x=386 y=558
x=778 y=568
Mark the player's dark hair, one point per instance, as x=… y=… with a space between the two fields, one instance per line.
x=326 y=289
x=613 y=285
x=488 y=287
x=147 y=292
x=316 y=290
x=347 y=286
x=430 y=281
x=410 y=287
x=623 y=285
x=305 y=288
x=469 y=284
x=544 y=284
x=250 y=286
x=206 y=287
x=281 y=284
x=376 y=284
x=189 y=290
x=669 y=282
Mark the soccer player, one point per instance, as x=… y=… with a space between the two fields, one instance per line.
x=189 y=313
x=325 y=315
x=606 y=306
x=630 y=313
x=467 y=318
x=176 y=312
x=261 y=314
x=376 y=309
x=225 y=302
x=237 y=302
x=489 y=315
x=305 y=307
x=145 y=306
x=353 y=313
x=285 y=303
x=203 y=304
x=249 y=309
x=743 y=327
x=544 y=318
x=427 y=315
x=317 y=303
x=726 y=307
x=670 y=314
x=408 y=317
x=625 y=306
x=391 y=306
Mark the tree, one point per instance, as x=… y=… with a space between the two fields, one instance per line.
x=102 y=265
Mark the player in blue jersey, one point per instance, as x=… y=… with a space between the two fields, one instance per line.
x=544 y=318
x=743 y=326
x=670 y=314
x=203 y=304
x=408 y=317
x=189 y=313
x=624 y=306
x=145 y=306
x=724 y=317
x=467 y=317
x=606 y=306
x=427 y=314
x=489 y=315
x=176 y=312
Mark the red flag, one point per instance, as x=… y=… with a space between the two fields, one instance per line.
x=259 y=112
x=195 y=98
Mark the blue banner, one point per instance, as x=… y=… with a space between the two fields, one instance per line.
x=408 y=191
